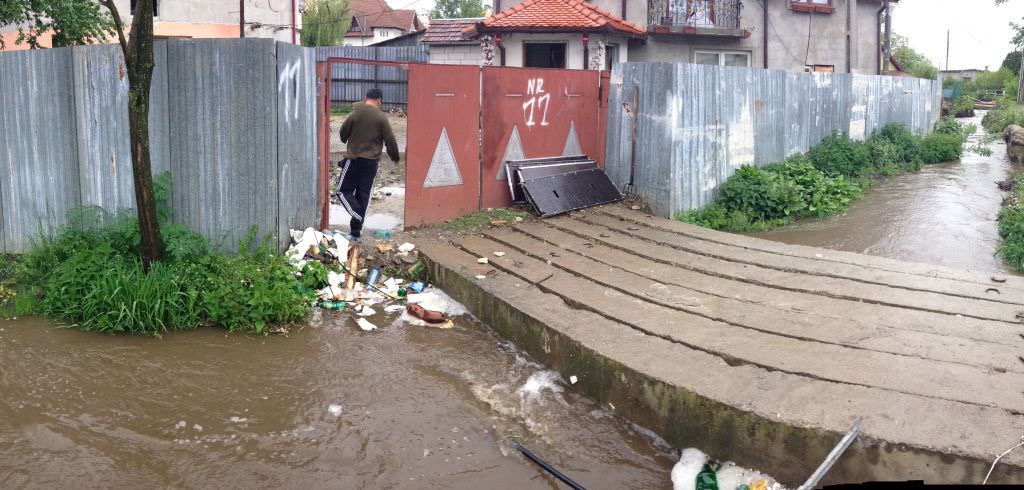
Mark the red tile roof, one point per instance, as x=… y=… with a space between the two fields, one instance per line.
x=448 y=30
x=556 y=15
x=377 y=13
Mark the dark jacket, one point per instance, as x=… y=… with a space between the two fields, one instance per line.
x=365 y=131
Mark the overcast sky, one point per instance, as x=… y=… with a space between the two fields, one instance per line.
x=979 y=31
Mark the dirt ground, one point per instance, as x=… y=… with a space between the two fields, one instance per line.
x=387 y=207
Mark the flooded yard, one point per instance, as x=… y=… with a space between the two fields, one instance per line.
x=327 y=407
x=944 y=215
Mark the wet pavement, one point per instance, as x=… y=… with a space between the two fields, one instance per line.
x=327 y=407
x=945 y=215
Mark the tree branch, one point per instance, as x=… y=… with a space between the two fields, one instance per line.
x=119 y=26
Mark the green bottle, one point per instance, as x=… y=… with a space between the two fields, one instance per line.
x=707 y=479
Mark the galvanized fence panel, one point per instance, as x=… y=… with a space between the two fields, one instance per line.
x=233 y=156
x=215 y=121
x=296 y=146
x=104 y=154
x=697 y=124
x=39 y=180
x=350 y=81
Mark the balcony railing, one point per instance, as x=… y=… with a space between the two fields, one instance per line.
x=696 y=16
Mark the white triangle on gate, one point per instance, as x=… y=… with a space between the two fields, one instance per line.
x=513 y=151
x=444 y=170
x=572 y=143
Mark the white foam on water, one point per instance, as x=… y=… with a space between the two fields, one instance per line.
x=334 y=409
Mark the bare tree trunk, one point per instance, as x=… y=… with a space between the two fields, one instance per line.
x=138 y=56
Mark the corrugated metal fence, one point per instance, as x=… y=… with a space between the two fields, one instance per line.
x=233 y=120
x=697 y=124
x=350 y=81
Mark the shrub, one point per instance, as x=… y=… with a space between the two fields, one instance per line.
x=761 y=195
x=91 y=275
x=963 y=104
x=1005 y=114
x=1011 y=227
x=904 y=146
x=821 y=195
x=839 y=155
x=953 y=127
x=939 y=147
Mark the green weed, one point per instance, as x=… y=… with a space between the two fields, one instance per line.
x=474 y=223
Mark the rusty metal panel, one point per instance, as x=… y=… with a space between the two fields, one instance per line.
x=549 y=112
x=323 y=145
x=39 y=180
x=443 y=165
x=296 y=140
x=223 y=133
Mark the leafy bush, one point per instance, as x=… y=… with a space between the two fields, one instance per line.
x=951 y=126
x=963 y=104
x=760 y=194
x=1011 y=227
x=1005 y=114
x=839 y=155
x=821 y=195
x=939 y=147
x=89 y=273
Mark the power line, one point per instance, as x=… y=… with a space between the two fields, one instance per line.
x=783 y=43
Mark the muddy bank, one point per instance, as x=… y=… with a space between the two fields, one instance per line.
x=945 y=215
x=328 y=407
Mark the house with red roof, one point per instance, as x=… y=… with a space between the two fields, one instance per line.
x=796 y=35
x=374 y=21
x=449 y=43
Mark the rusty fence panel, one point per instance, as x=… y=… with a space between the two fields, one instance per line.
x=676 y=132
x=350 y=81
x=234 y=120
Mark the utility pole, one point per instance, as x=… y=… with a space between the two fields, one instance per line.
x=241 y=18
x=888 y=36
x=1020 y=82
x=947 y=49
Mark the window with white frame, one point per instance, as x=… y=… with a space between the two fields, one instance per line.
x=722 y=58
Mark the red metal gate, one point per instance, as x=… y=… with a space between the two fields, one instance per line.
x=442 y=178
x=534 y=113
x=464 y=122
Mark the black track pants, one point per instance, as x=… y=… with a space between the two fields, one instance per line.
x=354 y=189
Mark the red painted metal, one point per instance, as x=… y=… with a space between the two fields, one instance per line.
x=442 y=97
x=543 y=105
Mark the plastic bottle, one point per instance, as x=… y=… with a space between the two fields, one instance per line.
x=382 y=234
x=374 y=275
x=417 y=287
x=707 y=479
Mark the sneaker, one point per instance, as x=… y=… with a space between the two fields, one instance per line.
x=353 y=237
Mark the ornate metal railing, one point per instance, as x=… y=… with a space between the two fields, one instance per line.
x=722 y=14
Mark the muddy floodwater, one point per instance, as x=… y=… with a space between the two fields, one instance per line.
x=945 y=215
x=329 y=406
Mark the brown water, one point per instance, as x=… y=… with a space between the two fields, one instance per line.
x=413 y=407
x=945 y=215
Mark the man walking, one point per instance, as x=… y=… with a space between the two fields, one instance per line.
x=364 y=132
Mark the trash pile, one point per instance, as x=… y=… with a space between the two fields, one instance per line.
x=695 y=472
x=342 y=277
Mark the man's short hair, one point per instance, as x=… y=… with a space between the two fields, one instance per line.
x=374 y=94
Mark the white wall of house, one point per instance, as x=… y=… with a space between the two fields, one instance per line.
x=455 y=54
x=273 y=16
x=788 y=47
x=379 y=34
x=513 y=44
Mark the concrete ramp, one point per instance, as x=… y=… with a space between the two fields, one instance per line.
x=759 y=352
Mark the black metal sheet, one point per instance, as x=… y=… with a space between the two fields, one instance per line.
x=570 y=191
x=512 y=167
x=537 y=171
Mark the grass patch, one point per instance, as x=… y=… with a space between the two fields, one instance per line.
x=1007 y=112
x=90 y=275
x=471 y=224
x=1011 y=226
x=827 y=180
x=341 y=109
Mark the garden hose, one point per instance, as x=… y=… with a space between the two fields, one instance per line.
x=540 y=462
